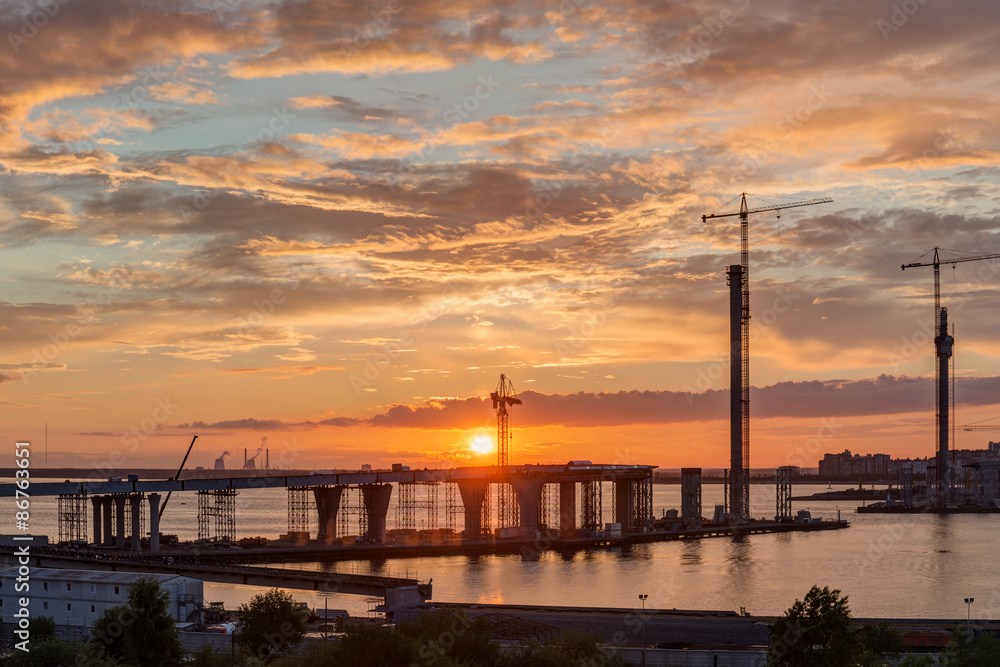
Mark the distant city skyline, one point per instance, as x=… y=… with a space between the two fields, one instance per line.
x=334 y=225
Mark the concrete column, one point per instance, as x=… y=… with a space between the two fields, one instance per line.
x=376 y=497
x=109 y=538
x=624 y=502
x=567 y=506
x=119 y=521
x=327 y=507
x=136 y=500
x=473 y=494
x=154 y=522
x=529 y=494
x=96 y=502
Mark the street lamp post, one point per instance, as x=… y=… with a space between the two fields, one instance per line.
x=643 y=619
x=968 y=618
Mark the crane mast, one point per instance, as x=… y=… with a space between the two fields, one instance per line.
x=943 y=346
x=504 y=397
x=739 y=356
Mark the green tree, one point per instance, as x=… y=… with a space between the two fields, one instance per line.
x=270 y=623
x=54 y=652
x=141 y=631
x=966 y=651
x=814 y=632
x=569 y=650
x=42 y=627
x=451 y=633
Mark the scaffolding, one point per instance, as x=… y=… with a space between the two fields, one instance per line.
x=486 y=520
x=548 y=507
x=299 y=501
x=128 y=514
x=352 y=509
x=783 y=506
x=73 y=517
x=406 y=506
x=217 y=515
x=430 y=504
x=453 y=507
x=593 y=515
x=643 y=509
x=906 y=484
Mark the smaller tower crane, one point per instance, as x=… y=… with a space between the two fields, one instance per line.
x=503 y=398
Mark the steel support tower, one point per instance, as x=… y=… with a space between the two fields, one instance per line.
x=217 y=515
x=72 y=517
x=352 y=508
x=593 y=514
x=453 y=507
x=299 y=501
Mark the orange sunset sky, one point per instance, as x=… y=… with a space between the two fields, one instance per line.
x=333 y=225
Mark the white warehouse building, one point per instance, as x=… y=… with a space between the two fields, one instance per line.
x=77 y=598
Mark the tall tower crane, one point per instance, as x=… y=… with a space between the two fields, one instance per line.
x=503 y=398
x=739 y=356
x=943 y=344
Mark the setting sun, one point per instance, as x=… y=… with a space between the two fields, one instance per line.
x=481 y=444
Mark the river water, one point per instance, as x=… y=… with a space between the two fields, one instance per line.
x=890 y=566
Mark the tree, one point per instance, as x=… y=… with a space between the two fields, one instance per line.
x=570 y=649
x=966 y=651
x=814 y=632
x=452 y=633
x=54 y=652
x=42 y=627
x=270 y=623
x=141 y=631
x=817 y=631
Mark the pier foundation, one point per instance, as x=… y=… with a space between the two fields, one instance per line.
x=136 y=500
x=473 y=496
x=109 y=538
x=528 y=492
x=154 y=522
x=567 y=506
x=376 y=508
x=119 y=521
x=691 y=497
x=327 y=506
x=97 y=504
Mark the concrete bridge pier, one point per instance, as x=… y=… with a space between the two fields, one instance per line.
x=473 y=495
x=109 y=538
x=120 y=520
x=624 y=502
x=327 y=507
x=154 y=522
x=529 y=494
x=376 y=498
x=567 y=506
x=136 y=502
x=96 y=502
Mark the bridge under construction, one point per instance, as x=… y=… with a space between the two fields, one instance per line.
x=567 y=498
